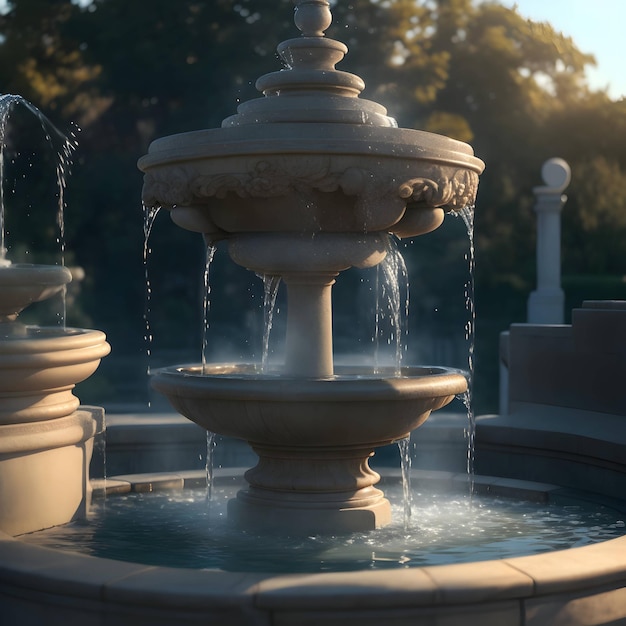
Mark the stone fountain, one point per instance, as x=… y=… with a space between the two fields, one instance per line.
x=302 y=184
x=46 y=437
x=575 y=587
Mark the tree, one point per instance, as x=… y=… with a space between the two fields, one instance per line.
x=51 y=70
x=514 y=88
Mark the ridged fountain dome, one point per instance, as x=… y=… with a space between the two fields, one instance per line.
x=301 y=184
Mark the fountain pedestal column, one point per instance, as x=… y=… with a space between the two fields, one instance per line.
x=309 y=342
x=308 y=264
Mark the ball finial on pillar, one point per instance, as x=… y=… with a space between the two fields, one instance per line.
x=556 y=174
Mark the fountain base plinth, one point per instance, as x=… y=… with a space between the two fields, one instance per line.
x=318 y=489
x=38 y=457
x=305 y=514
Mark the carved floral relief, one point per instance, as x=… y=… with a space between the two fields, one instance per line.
x=447 y=187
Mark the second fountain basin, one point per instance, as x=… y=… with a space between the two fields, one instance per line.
x=313 y=436
x=39 y=367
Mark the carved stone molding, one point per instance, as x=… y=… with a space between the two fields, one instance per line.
x=270 y=177
x=166 y=187
x=451 y=189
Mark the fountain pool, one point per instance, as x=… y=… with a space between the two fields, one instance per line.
x=446 y=525
x=581 y=585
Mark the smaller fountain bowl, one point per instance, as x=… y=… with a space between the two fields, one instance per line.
x=22 y=284
x=40 y=366
x=354 y=408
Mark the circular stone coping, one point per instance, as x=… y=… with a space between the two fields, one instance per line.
x=39 y=339
x=308 y=139
x=351 y=383
x=587 y=577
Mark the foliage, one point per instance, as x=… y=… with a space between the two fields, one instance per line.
x=128 y=72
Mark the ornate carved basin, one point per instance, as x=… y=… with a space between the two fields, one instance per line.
x=283 y=178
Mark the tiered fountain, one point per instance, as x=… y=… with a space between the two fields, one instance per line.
x=46 y=438
x=304 y=183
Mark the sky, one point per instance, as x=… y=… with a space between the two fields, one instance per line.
x=596 y=26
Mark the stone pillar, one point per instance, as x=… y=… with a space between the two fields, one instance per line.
x=546 y=303
x=309 y=324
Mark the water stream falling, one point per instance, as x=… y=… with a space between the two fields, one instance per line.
x=392 y=281
x=389 y=291
x=404 y=446
x=149 y=216
x=467 y=215
x=206 y=300
x=206 y=324
x=7 y=102
x=377 y=320
x=63 y=147
x=210 y=458
x=270 y=291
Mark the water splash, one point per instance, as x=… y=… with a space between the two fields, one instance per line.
x=206 y=301
x=404 y=446
x=451 y=530
x=270 y=291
